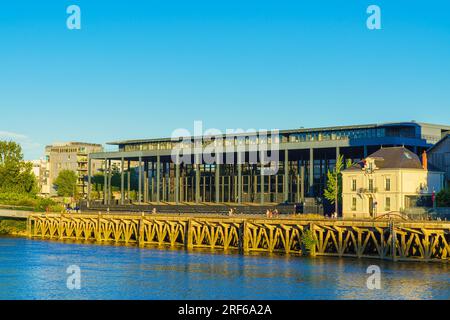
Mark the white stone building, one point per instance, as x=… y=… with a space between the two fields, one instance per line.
x=388 y=181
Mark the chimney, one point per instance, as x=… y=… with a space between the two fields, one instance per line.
x=424 y=160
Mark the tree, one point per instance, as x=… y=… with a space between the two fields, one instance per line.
x=443 y=198
x=66 y=183
x=15 y=173
x=333 y=192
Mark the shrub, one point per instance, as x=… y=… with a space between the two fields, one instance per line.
x=443 y=198
x=28 y=202
x=308 y=240
x=12 y=227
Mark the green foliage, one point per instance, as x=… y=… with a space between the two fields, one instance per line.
x=17 y=199
x=443 y=198
x=66 y=183
x=348 y=163
x=333 y=191
x=12 y=227
x=15 y=174
x=334 y=183
x=98 y=180
x=308 y=240
x=27 y=202
x=42 y=204
x=18 y=186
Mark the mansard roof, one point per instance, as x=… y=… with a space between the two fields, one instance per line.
x=391 y=158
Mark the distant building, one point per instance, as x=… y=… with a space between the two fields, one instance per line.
x=40 y=171
x=439 y=157
x=389 y=180
x=36 y=169
x=71 y=156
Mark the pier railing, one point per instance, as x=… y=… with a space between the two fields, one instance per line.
x=394 y=240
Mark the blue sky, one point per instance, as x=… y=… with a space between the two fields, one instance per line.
x=141 y=69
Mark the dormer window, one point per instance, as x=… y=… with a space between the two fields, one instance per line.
x=369 y=165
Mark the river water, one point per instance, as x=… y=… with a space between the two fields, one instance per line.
x=34 y=269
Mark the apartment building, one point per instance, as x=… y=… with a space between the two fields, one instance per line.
x=71 y=156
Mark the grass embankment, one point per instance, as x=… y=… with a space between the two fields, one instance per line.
x=17 y=201
x=13 y=227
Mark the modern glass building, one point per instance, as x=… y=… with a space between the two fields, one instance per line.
x=300 y=159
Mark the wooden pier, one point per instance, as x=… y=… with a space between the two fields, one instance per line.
x=392 y=240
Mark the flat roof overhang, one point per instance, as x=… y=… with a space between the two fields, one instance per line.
x=292 y=131
x=117 y=155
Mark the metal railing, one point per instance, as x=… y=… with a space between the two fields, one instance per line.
x=368 y=190
x=426 y=213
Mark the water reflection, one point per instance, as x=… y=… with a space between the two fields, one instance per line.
x=32 y=269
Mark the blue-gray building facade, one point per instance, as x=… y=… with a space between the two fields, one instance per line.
x=303 y=158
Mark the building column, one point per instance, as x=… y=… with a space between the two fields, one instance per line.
x=129 y=181
x=177 y=181
x=276 y=187
x=217 y=182
x=286 y=175
x=229 y=188
x=197 y=183
x=145 y=181
x=262 y=184
x=365 y=151
x=89 y=181
x=158 y=177
x=109 y=181
x=239 y=182
x=204 y=189
x=311 y=172
x=269 y=187
x=122 y=181
x=105 y=181
x=338 y=154
x=222 y=178
x=140 y=181
x=302 y=179
x=163 y=184
x=152 y=179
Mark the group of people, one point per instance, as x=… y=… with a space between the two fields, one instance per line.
x=272 y=213
x=334 y=215
x=72 y=209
